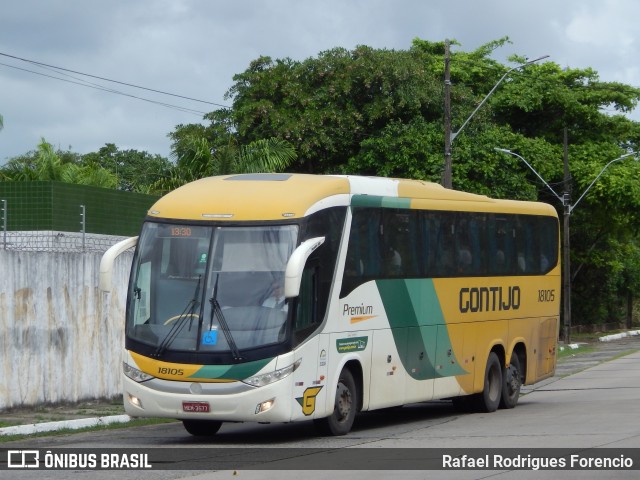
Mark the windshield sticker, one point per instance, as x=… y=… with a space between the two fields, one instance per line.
x=210 y=337
x=356 y=344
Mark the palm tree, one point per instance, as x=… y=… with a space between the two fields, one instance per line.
x=47 y=165
x=196 y=159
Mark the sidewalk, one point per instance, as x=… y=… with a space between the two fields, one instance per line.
x=27 y=421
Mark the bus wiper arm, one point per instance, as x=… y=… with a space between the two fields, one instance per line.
x=181 y=321
x=216 y=310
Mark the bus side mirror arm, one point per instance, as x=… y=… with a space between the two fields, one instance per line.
x=295 y=266
x=109 y=257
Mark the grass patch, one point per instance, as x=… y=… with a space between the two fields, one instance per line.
x=567 y=352
x=8 y=424
x=137 y=422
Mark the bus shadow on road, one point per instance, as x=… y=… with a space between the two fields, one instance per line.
x=252 y=434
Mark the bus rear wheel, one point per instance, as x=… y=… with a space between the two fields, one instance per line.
x=344 y=410
x=489 y=399
x=202 y=428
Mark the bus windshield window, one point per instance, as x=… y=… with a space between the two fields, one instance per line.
x=203 y=288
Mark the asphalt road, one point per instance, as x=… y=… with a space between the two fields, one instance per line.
x=597 y=406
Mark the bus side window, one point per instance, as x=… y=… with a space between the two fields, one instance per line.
x=548 y=228
x=399 y=240
x=363 y=260
x=306 y=313
x=521 y=250
x=445 y=246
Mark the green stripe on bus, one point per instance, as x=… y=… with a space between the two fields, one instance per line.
x=418 y=327
x=377 y=201
x=231 y=372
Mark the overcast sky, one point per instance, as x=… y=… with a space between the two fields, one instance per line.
x=193 y=48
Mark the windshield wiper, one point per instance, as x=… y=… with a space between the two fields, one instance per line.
x=216 y=310
x=187 y=313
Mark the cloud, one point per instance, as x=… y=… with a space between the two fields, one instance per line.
x=194 y=47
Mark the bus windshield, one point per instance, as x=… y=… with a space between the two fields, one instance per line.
x=209 y=289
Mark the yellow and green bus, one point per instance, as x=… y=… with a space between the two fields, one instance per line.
x=289 y=297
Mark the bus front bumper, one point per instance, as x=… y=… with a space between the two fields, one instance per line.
x=270 y=403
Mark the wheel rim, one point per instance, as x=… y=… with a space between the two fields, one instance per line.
x=495 y=383
x=344 y=402
x=513 y=380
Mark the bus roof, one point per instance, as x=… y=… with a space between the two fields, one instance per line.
x=277 y=196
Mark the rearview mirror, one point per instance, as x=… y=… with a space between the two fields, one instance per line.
x=295 y=266
x=106 y=263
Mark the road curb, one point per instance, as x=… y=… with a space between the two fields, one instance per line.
x=618 y=336
x=77 y=424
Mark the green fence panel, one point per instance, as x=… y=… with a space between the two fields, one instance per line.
x=57 y=206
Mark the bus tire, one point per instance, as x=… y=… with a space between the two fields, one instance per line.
x=202 y=428
x=344 y=410
x=512 y=382
x=489 y=399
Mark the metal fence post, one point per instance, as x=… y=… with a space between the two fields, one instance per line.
x=4 y=223
x=83 y=223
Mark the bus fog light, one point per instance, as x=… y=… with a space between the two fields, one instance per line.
x=264 y=406
x=135 y=401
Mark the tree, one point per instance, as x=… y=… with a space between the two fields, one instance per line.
x=135 y=171
x=197 y=158
x=47 y=164
x=326 y=106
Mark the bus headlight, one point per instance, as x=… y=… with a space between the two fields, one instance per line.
x=270 y=377
x=135 y=374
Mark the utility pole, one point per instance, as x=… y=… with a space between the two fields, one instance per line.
x=566 y=271
x=446 y=175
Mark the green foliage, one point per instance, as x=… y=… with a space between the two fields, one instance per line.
x=197 y=158
x=546 y=98
x=326 y=106
x=134 y=171
x=48 y=164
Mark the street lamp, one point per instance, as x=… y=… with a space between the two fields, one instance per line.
x=504 y=150
x=451 y=136
x=568 y=208
x=596 y=179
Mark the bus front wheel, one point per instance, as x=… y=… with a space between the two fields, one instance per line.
x=344 y=410
x=489 y=399
x=202 y=428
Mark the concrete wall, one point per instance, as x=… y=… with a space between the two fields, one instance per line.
x=61 y=339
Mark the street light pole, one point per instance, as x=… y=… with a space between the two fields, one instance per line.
x=565 y=200
x=451 y=136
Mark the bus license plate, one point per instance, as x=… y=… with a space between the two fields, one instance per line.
x=195 y=407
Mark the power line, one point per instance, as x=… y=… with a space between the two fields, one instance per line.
x=62 y=69
x=109 y=90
